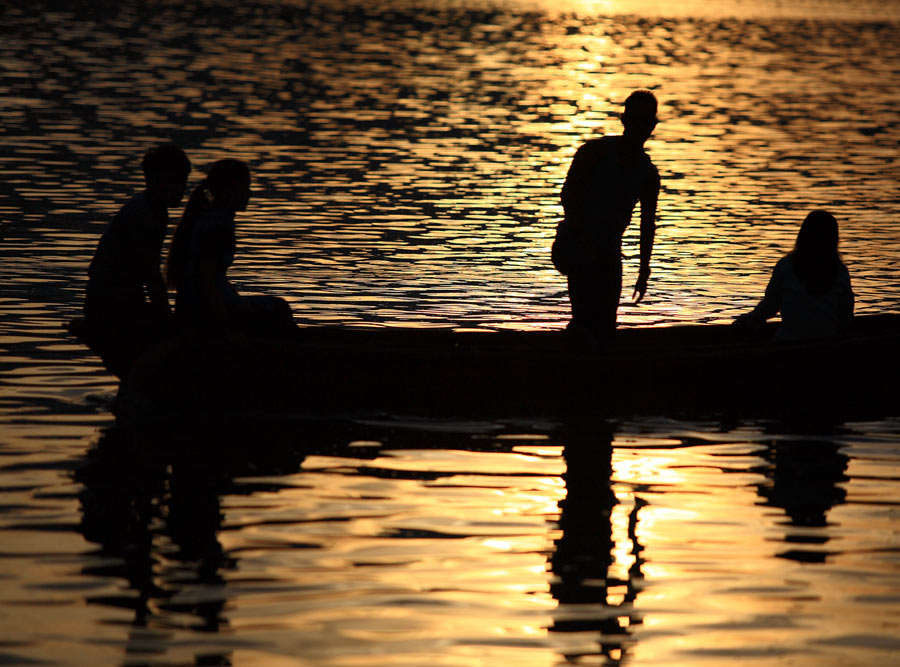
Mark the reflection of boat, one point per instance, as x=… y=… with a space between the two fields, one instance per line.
x=702 y=368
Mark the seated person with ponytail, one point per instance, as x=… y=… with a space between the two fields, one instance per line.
x=203 y=249
x=810 y=286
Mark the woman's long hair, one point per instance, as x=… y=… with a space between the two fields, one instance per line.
x=223 y=178
x=816 y=257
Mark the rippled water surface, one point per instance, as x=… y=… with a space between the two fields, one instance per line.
x=407 y=160
x=407 y=542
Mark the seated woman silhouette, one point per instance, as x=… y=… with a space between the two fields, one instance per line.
x=202 y=250
x=810 y=286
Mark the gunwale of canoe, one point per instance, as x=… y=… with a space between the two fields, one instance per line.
x=693 y=368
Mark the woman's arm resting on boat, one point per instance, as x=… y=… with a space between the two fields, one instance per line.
x=769 y=305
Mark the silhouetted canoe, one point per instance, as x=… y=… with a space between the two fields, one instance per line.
x=699 y=369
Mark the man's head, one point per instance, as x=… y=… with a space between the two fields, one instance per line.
x=166 y=169
x=639 y=117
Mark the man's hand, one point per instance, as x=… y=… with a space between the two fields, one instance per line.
x=640 y=287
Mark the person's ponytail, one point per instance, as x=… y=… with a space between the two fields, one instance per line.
x=198 y=204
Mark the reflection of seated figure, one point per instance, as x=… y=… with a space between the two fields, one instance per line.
x=203 y=249
x=129 y=498
x=583 y=556
x=144 y=492
x=804 y=482
x=810 y=286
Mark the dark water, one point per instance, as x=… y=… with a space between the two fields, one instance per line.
x=407 y=161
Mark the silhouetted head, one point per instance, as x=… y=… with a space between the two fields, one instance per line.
x=225 y=188
x=816 y=256
x=227 y=184
x=166 y=169
x=639 y=118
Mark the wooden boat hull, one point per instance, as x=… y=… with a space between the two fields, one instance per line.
x=702 y=370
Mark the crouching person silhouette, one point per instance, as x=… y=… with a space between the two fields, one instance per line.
x=126 y=306
x=202 y=250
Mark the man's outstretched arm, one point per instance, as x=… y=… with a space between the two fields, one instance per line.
x=649 y=199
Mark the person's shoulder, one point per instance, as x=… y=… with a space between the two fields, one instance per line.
x=136 y=209
x=843 y=273
x=219 y=218
x=784 y=268
x=138 y=202
x=213 y=234
x=598 y=144
x=652 y=171
x=215 y=222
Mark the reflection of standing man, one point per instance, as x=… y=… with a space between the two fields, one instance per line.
x=582 y=561
x=608 y=176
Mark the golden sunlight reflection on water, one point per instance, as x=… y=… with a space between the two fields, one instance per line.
x=386 y=197
x=493 y=543
x=695 y=558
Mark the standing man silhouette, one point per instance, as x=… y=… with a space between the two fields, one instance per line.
x=608 y=176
